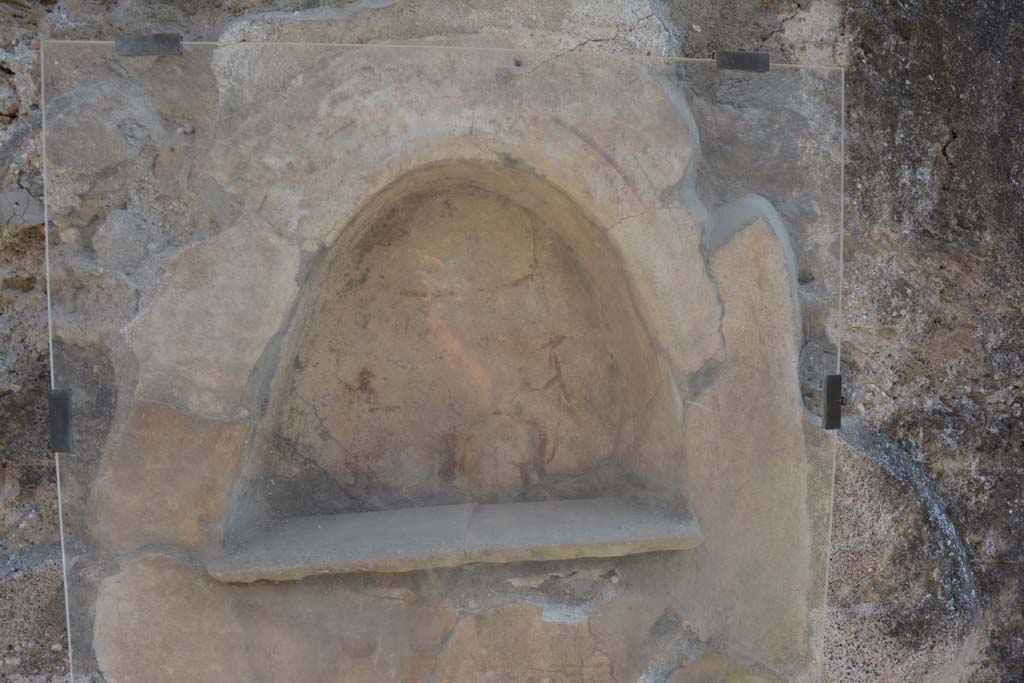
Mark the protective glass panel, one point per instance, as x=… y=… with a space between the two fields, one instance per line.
x=442 y=364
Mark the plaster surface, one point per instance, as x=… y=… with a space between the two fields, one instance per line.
x=422 y=281
x=931 y=214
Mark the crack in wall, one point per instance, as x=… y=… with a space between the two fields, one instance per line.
x=619 y=33
x=781 y=27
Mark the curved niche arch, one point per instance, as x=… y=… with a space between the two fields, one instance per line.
x=471 y=338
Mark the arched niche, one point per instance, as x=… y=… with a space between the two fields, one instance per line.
x=470 y=339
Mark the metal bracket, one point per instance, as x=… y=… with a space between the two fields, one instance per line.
x=138 y=44
x=757 y=62
x=832 y=410
x=61 y=440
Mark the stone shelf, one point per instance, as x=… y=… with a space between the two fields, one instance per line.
x=450 y=535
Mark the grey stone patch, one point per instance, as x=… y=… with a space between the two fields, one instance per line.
x=121 y=241
x=676 y=654
x=19 y=209
x=29 y=560
x=9 y=102
x=817 y=359
x=313 y=492
x=567 y=529
x=31 y=181
x=91 y=130
x=451 y=535
x=699 y=381
x=224 y=206
x=96 y=303
x=794 y=32
x=387 y=541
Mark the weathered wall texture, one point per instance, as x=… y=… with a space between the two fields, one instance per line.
x=925 y=581
x=445 y=258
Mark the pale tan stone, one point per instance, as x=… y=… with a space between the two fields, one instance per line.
x=167 y=479
x=158 y=622
x=746 y=457
x=280 y=650
x=661 y=250
x=217 y=307
x=19 y=209
x=326 y=634
x=513 y=645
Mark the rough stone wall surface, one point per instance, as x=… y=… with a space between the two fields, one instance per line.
x=926 y=579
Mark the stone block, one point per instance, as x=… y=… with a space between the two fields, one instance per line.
x=167 y=479
x=450 y=535
x=513 y=644
x=157 y=621
x=218 y=305
x=19 y=209
x=567 y=529
x=120 y=242
x=386 y=541
x=323 y=632
x=746 y=454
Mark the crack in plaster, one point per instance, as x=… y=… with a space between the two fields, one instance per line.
x=619 y=33
x=442 y=647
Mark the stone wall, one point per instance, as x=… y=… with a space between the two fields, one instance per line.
x=925 y=581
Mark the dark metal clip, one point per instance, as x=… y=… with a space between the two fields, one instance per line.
x=742 y=61
x=138 y=44
x=61 y=440
x=832 y=411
